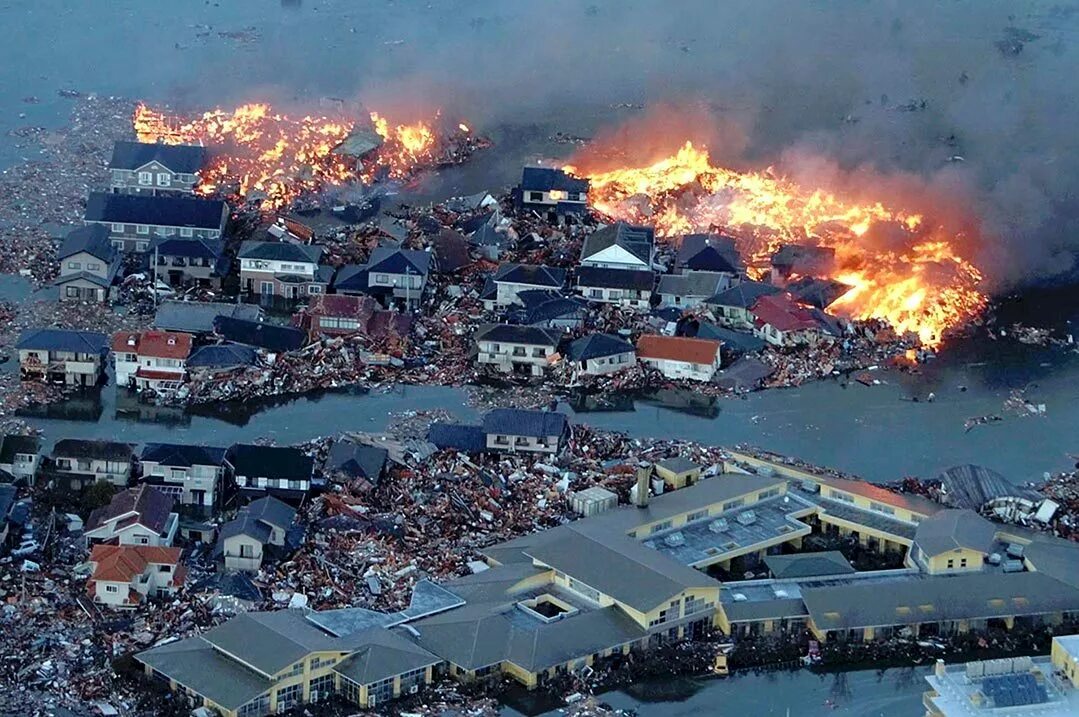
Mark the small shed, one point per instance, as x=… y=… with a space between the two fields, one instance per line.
x=678 y=472
x=592 y=501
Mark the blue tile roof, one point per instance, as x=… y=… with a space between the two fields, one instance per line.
x=83 y=342
x=180 y=158
x=544 y=179
x=532 y=274
x=615 y=278
x=513 y=334
x=522 y=422
x=462 y=437
x=155 y=211
x=399 y=261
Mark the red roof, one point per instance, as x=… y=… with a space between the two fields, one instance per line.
x=159 y=375
x=156 y=344
x=781 y=312
x=342 y=306
x=677 y=348
x=123 y=563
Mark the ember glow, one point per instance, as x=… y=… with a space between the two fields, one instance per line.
x=917 y=280
x=259 y=153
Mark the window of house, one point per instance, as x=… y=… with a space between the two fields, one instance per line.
x=256 y=707
x=146 y=178
x=185 y=231
x=164 y=568
x=845 y=497
x=314 y=289
x=320 y=662
x=142 y=229
x=539 y=353
x=381 y=691
x=266 y=287
x=74 y=265
x=288 y=697
x=382 y=278
x=140 y=246
x=118 y=228
x=320 y=688
x=118 y=243
x=659 y=527
x=697 y=515
x=72 y=292
x=502 y=440
x=247 y=551
x=962 y=562
x=93 y=267
x=295 y=485
x=111 y=589
x=574 y=196
x=951 y=563
x=415 y=281
x=518 y=350
x=143 y=540
x=535 y=196
x=882 y=508
x=596 y=293
x=162 y=179
x=732 y=504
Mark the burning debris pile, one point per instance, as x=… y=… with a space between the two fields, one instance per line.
x=901 y=267
x=265 y=156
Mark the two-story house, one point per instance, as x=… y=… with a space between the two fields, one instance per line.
x=193 y=475
x=781 y=321
x=510 y=280
x=598 y=354
x=257 y=531
x=124 y=576
x=89 y=264
x=688 y=289
x=551 y=192
x=134 y=220
x=518 y=349
x=20 y=456
x=282 y=270
x=152 y=360
x=189 y=262
x=516 y=430
x=731 y=307
x=75 y=358
x=625 y=287
x=80 y=462
x=271 y=470
x=678 y=357
x=709 y=252
x=396 y=277
x=158 y=168
x=620 y=246
x=141 y=515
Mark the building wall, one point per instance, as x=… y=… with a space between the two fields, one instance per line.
x=152 y=178
x=892 y=511
x=501 y=354
x=776 y=337
x=25 y=465
x=77 y=369
x=682 y=369
x=551 y=198
x=114 y=599
x=195 y=478
x=1065 y=662
x=960 y=559
x=141 y=535
x=116 y=472
x=733 y=317
x=167 y=268
x=625 y=297
x=678 y=480
x=607 y=364
x=81 y=290
x=233 y=558
x=529 y=444
x=506 y=292
x=615 y=257
x=137 y=237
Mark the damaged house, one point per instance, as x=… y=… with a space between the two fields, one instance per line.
x=517 y=349
x=396 y=277
x=731 y=307
x=270 y=470
x=625 y=287
x=73 y=358
x=688 y=289
x=599 y=354
x=344 y=315
x=190 y=262
x=511 y=280
x=89 y=265
x=137 y=516
x=124 y=576
x=282 y=271
x=516 y=430
x=551 y=192
x=193 y=475
x=677 y=357
x=263 y=525
x=781 y=321
x=81 y=462
x=620 y=246
x=154 y=360
x=358 y=464
x=20 y=456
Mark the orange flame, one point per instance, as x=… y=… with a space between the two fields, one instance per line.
x=925 y=286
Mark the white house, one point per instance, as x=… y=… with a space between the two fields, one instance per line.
x=680 y=358
x=151 y=359
x=516 y=430
x=688 y=289
x=80 y=462
x=193 y=475
x=396 y=277
x=509 y=280
x=137 y=516
x=620 y=246
x=282 y=269
x=598 y=354
x=243 y=541
x=522 y=349
x=155 y=168
x=89 y=264
x=20 y=456
x=625 y=287
x=124 y=576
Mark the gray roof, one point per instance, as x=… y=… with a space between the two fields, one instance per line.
x=522 y=422
x=693 y=284
x=197 y=317
x=384 y=654
x=598 y=346
x=971 y=486
x=159 y=210
x=808 y=565
x=183 y=455
x=399 y=261
x=678 y=464
x=12 y=444
x=743 y=295
x=358 y=460
x=220 y=356
x=637 y=240
x=280 y=251
x=952 y=529
x=195 y=664
x=179 y=158
x=241 y=525
x=88 y=448
x=152 y=506
x=92 y=239
x=753 y=610
x=531 y=274
x=1054 y=557
x=938 y=598
x=271 y=641
x=713 y=252
x=272 y=511
x=516 y=334
x=83 y=342
x=641 y=280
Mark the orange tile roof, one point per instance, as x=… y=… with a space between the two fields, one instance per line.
x=676 y=348
x=152 y=375
x=123 y=563
x=157 y=344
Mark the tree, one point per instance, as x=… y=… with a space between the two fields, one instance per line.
x=98 y=494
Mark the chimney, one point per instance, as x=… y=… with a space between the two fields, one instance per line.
x=938 y=669
x=644 y=474
x=131 y=340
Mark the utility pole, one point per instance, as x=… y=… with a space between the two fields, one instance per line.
x=157 y=247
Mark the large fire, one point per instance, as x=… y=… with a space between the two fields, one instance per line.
x=257 y=152
x=919 y=283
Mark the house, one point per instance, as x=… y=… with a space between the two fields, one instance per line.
x=680 y=358
x=270 y=470
x=616 y=286
x=709 y=252
x=688 y=289
x=137 y=516
x=262 y=526
x=678 y=471
x=282 y=270
x=154 y=360
x=193 y=475
x=550 y=310
x=220 y=361
x=620 y=246
x=951 y=541
x=190 y=262
x=510 y=280
x=731 y=307
x=158 y=168
x=124 y=576
x=802 y=260
x=356 y=463
x=781 y=321
x=489 y=243
x=460 y=437
x=598 y=354
x=516 y=349
x=818 y=293
x=269 y=337
x=344 y=315
x=134 y=220
x=197 y=317
x=516 y=430
x=20 y=456
x=81 y=462
x=89 y=265
x=259 y=663
x=74 y=358
x=551 y=192
x=396 y=277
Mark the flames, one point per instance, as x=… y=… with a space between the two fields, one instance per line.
x=262 y=154
x=902 y=268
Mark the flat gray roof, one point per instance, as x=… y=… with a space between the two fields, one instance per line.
x=195 y=664
x=807 y=565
